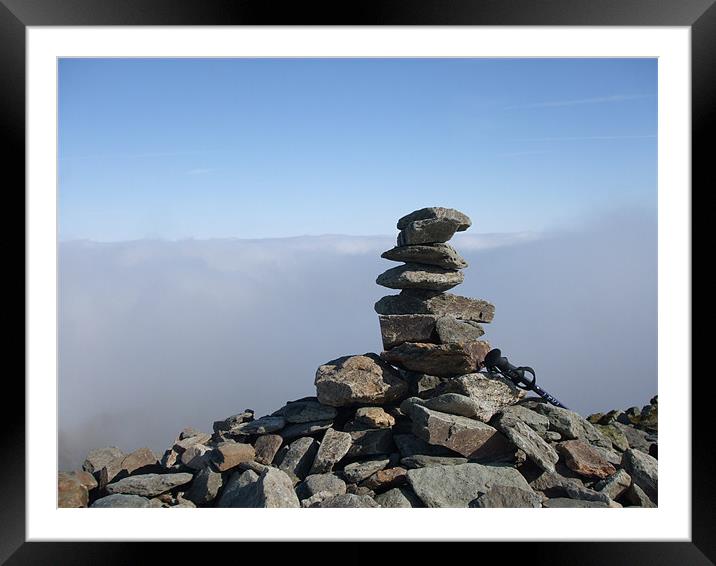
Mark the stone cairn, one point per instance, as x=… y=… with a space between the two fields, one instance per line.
x=416 y=426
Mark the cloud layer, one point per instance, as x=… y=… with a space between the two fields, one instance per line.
x=156 y=336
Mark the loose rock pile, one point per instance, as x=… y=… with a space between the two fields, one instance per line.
x=417 y=426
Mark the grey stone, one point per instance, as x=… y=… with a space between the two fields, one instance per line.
x=571 y=425
x=552 y=436
x=272 y=489
x=100 y=457
x=347 y=500
x=148 y=485
x=458 y=486
x=587 y=494
x=195 y=457
x=183 y=444
x=643 y=470
x=560 y=502
x=304 y=429
x=373 y=417
x=305 y=411
x=326 y=484
x=297 y=460
x=398 y=497
x=441 y=255
x=434 y=212
x=537 y=422
x=555 y=484
x=527 y=440
x=121 y=500
x=422 y=461
x=233 y=421
x=617 y=437
x=456 y=404
x=508 y=496
x=236 y=490
x=263 y=425
x=429 y=231
x=468 y=437
x=359 y=471
x=636 y=438
x=417 y=276
x=490 y=393
x=636 y=496
x=615 y=485
x=266 y=447
x=422 y=385
x=334 y=446
x=370 y=443
x=410 y=445
x=205 y=487
x=454 y=330
x=355 y=380
x=442 y=360
x=398 y=328
x=416 y=301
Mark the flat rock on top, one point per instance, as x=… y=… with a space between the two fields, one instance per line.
x=439 y=254
x=463 y=220
x=428 y=231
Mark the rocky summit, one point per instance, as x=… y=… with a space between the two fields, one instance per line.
x=421 y=424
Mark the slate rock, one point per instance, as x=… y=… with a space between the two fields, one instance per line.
x=121 y=500
x=527 y=440
x=347 y=500
x=585 y=460
x=326 y=484
x=265 y=448
x=205 y=487
x=508 y=496
x=554 y=484
x=149 y=485
x=440 y=255
x=334 y=446
x=304 y=429
x=230 y=454
x=570 y=425
x=422 y=461
x=417 y=276
x=456 y=404
x=233 y=421
x=370 y=442
x=100 y=457
x=643 y=470
x=417 y=301
x=450 y=329
x=442 y=360
x=298 y=457
x=435 y=212
x=429 y=231
x=490 y=393
x=304 y=411
x=615 y=485
x=459 y=486
x=71 y=492
x=355 y=380
x=359 y=471
x=398 y=328
x=374 y=417
x=272 y=489
x=636 y=438
x=537 y=422
x=470 y=438
x=236 y=491
x=264 y=425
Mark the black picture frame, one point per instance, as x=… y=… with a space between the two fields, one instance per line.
x=698 y=15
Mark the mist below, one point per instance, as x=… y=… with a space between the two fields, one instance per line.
x=155 y=335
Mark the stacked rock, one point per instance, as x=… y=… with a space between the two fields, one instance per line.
x=424 y=329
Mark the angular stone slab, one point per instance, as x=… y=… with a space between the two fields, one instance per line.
x=100 y=457
x=508 y=496
x=140 y=461
x=120 y=501
x=297 y=459
x=264 y=425
x=452 y=330
x=359 y=471
x=266 y=447
x=411 y=445
x=148 y=485
x=429 y=231
x=442 y=360
x=416 y=301
x=615 y=485
x=434 y=212
x=417 y=276
x=304 y=429
x=230 y=454
x=272 y=489
x=397 y=498
x=580 y=457
x=237 y=488
x=399 y=328
x=354 y=380
x=538 y=423
x=326 y=484
x=347 y=500
x=528 y=441
x=205 y=487
x=456 y=404
x=305 y=411
x=439 y=255
x=644 y=471
x=459 y=486
x=468 y=437
x=371 y=442
x=422 y=461
x=569 y=424
x=374 y=417
x=490 y=393
x=71 y=492
x=334 y=446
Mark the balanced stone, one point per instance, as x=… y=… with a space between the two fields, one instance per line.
x=450 y=330
x=417 y=301
x=398 y=328
x=442 y=360
x=429 y=231
x=416 y=276
x=440 y=255
x=432 y=212
x=355 y=380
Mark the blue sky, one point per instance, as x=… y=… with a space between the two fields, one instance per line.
x=255 y=148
